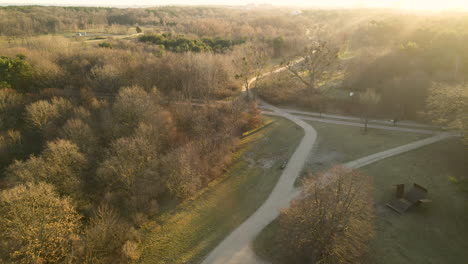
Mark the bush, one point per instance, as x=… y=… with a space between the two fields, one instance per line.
x=177 y=44
x=105 y=45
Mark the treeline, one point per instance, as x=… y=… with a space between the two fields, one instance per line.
x=399 y=57
x=216 y=27
x=34 y=20
x=94 y=140
x=87 y=172
x=206 y=21
x=180 y=43
x=55 y=62
x=82 y=173
x=428 y=51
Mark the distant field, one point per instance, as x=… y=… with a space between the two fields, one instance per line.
x=433 y=233
x=189 y=232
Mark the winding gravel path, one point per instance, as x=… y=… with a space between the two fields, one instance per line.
x=235 y=249
x=356 y=124
x=357 y=119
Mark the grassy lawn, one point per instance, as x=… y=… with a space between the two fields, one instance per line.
x=337 y=144
x=188 y=232
x=433 y=233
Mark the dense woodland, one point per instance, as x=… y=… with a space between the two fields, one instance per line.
x=400 y=57
x=96 y=137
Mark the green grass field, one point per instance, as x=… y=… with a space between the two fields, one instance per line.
x=337 y=144
x=432 y=233
x=188 y=232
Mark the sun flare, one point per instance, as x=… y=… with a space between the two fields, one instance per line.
x=433 y=5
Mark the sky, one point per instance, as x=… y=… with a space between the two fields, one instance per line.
x=436 y=5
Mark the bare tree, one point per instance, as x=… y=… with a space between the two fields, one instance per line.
x=320 y=62
x=331 y=222
x=251 y=66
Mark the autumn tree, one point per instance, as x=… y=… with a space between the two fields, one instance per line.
x=128 y=160
x=319 y=64
x=11 y=108
x=61 y=165
x=448 y=106
x=107 y=239
x=251 y=65
x=81 y=134
x=184 y=171
x=331 y=222
x=132 y=106
x=46 y=116
x=36 y=225
x=131 y=169
x=11 y=146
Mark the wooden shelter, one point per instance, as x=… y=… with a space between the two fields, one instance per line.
x=403 y=202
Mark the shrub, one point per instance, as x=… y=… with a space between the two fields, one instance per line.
x=105 y=45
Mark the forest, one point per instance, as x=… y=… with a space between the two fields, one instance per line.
x=100 y=134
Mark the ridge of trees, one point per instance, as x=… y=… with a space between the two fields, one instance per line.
x=180 y=43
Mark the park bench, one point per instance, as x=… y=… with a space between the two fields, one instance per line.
x=415 y=196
